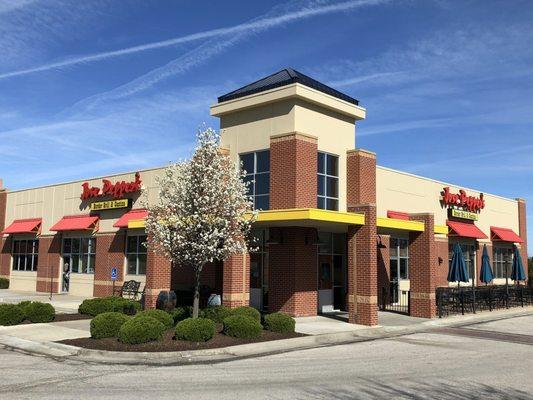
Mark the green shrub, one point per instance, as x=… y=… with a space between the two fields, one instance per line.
x=23 y=305
x=141 y=329
x=181 y=313
x=11 y=314
x=162 y=316
x=4 y=283
x=243 y=327
x=107 y=324
x=108 y=304
x=38 y=312
x=217 y=313
x=279 y=322
x=195 y=329
x=248 y=312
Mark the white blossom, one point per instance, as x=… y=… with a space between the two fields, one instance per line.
x=203 y=213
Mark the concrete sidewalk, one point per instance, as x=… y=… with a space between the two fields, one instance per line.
x=50 y=332
x=63 y=303
x=358 y=334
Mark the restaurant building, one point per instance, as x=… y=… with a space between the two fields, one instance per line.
x=335 y=231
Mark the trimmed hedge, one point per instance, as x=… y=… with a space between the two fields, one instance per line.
x=101 y=305
x=217 y=313
x=279 y=322
x=38 y=312
x=141 y=329
x=11 y=314
x=4 y=283
x=24 y=304
x=107 y=324
x=181 y=313
x=195 y=329
x=248 y=312
x=242 y=327
x=162 y=316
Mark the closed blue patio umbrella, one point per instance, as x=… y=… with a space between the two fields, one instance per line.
x=517 y=273
x=458 y=272
x=485 y=275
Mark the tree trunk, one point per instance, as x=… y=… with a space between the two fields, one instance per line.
x=196 y=302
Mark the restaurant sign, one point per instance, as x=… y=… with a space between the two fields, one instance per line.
x=464 y=214
x=110 y=204
x=463 y=201
x=117 y=190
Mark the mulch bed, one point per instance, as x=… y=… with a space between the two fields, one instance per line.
x=168 y=343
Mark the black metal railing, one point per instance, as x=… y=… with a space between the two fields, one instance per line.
x=394 y=300
x=467 y=299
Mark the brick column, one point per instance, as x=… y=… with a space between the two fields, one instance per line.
x=363 y=269
x=383 y=257
x=293 y=171
x=236 y=281
x=49 y=265
x=361 y=177
x=158 y=277
x=522 y=226
x=423 y=264
x=3 y=207
x=441 y=275
x=6 y=247
x=109 y=254
x=293 y=272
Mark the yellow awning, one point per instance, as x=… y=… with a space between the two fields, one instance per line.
x=400 y=224
x=136 y=223
x=311 y=214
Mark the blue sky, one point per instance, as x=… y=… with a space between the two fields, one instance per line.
x=100 y=86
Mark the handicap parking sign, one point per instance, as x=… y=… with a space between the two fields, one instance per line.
x=114 y=273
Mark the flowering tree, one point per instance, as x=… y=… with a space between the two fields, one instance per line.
x=203 y=213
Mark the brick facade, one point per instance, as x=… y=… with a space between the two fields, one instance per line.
x=361 y=177
x=3 y=205
x=48 y=268
x=441 y=274
x=423 y=265
x=6 y=246
x=236 y=281
x=293 y=171
x=158 y=277
x=293 y=281
x=110 y=250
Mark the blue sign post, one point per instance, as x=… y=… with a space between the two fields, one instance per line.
x=114 y=273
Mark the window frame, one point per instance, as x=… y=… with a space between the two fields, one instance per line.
x=33 y=254
x=89 y=257
x=499 y=261
x=254 y=174
x=325 y=175
x=398 y=257
x=136 y=253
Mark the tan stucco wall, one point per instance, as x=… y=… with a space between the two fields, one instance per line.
x=25 y=281
x=53 y=202
x=250 y=129
x=81 y=285
x=399 y=191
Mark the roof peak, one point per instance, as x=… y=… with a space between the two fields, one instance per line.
x=284 y=77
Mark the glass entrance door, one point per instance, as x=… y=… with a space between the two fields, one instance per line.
x=331 y=271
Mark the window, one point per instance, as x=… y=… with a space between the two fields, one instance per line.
x=259 y=266
x=79 y=254
x=136 y=255
x=399 y=258
x=502 y=260
x=257 y=167
x=328 y=181
x=25 y=255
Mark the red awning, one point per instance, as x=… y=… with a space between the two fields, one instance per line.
x=504 y=234
x=76 y=223
x=398 y=215
x=130 y=215
x=31 y=225
x=466 y=230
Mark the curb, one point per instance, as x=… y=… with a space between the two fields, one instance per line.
x=64 y=352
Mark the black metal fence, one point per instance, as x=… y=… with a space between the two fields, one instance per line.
x=395 y=300
x=461 y=300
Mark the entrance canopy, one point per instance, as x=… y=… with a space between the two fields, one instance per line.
x=505 y=235
x=19 y=226
x=310 y=217
x=76 y=223
x=465 y=230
